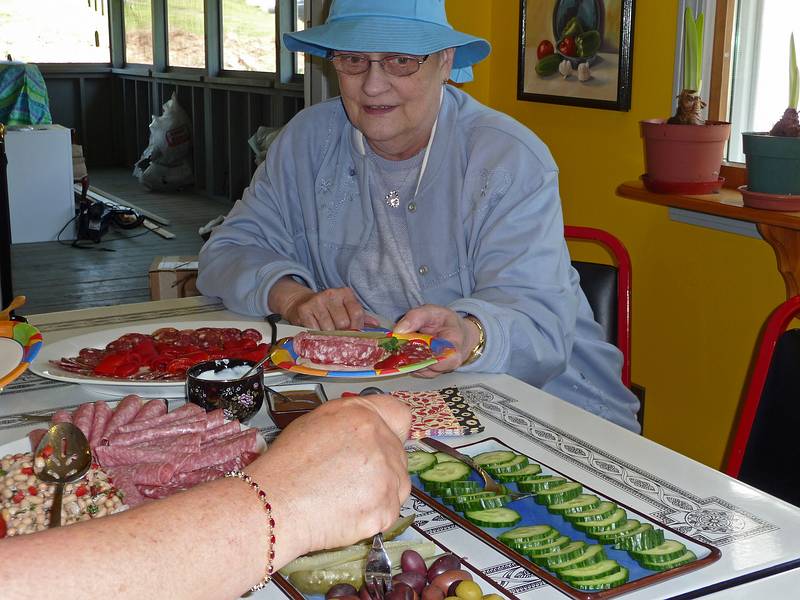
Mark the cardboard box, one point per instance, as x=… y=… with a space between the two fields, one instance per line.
x=173 y=277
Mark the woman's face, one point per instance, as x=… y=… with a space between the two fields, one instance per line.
x=396 y=114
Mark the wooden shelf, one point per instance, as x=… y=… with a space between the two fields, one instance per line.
x=780 y=229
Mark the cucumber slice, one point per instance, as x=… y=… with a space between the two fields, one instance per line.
x=610 y=535
x=494 y=517
x=496 y=457
x=604 y=510
x=539 y=483
x=669 y=550
x=683 y=559
x=459 y=498
x=581 y=503
x=537 y=551
x=643 y=538
x=524 y=534
x=442 y=457
x=446 y=472
x=525 y=472
x=494 y=501
x=559 y=494
x=603 y=583
x=523 y=547
x=452 y=488
x=419 y=461
x=593 y=554
x=616 y=519
x=515 y=464
x=558 y=555
x=598 y=569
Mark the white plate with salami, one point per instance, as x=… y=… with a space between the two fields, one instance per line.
x=151 y=358
x=368 y=353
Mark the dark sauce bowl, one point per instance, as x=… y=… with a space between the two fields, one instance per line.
x=290 y=401
x=239 y=398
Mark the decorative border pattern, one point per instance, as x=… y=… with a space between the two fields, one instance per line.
x=711 y=520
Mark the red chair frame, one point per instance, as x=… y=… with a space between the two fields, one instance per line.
x=776 y=324
x=624 y=285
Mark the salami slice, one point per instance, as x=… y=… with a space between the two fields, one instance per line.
x=114 y=456
x=228 y=429
x=150 y=410
x=188 y=442
x=123 y=480
x=187 y=410
x=35 y=436
x=124 y=413
x=192 y=425
x=61 y=416
x=83 y=418
x=215 y=418
x=102 y=414
x=222 y=450
x=338 y=350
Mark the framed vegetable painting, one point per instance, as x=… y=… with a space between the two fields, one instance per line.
x=576 y=52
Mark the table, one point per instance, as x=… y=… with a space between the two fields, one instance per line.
x=759 y=535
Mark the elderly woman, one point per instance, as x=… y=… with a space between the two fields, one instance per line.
x=406 y=200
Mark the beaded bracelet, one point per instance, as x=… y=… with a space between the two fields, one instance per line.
x=270 y=525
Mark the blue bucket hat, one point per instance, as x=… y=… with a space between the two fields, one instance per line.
x=405 y=26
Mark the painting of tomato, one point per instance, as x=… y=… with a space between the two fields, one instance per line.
x=567 y=46
x=545 y=48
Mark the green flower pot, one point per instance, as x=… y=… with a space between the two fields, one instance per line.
x=773 y=163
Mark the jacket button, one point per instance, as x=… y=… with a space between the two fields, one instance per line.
x=412 y=207
x=423 y=270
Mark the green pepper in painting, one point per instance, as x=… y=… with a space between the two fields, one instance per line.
x=548 y=65
x=572 y=28
x=588 y=43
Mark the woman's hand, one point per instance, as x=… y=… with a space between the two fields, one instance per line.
x=334 y=308
x=444 y=323
x=341 y=471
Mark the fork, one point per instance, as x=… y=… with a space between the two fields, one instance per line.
x=378 y=570
x=489 y=484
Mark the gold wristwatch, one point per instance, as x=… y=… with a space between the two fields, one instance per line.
x=477 y=351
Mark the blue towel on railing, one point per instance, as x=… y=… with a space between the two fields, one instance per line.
x=23 y=95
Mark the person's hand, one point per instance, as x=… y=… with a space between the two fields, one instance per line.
x=444 y=323
x=334 y=308
x=340 y=473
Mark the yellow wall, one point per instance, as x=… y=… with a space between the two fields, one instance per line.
x=700 y=296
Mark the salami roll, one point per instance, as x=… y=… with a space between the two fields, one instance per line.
x=83 y=418
x=226 y=430
x=222 y=450
x=35 y=436
x=102 y=413
x=215 y=418
x=338 y=350
x=114 y=456
x=188 y=442
x=150 y=410
x=124 y=413
x=61 y=416
x=187 y=410
x=195 y=425
x=123 y=480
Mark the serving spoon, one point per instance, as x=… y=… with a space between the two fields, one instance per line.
x=68 y=461
x=272 y=320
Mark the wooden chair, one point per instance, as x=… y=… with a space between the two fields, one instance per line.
x=608 y=288
x=764 y=451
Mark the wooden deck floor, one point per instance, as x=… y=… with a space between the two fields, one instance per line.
x=58 y=277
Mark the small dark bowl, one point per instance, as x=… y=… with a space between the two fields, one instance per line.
x=238 y=398
x=302 y=398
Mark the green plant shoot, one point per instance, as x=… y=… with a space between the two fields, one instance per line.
x=693 y=51
x=794 y=88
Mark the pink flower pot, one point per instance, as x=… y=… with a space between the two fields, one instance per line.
x=684 y=153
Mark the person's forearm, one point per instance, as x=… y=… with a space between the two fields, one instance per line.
x=284 y=294
x=210 y=542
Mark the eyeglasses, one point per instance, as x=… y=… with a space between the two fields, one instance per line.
x=396 y=65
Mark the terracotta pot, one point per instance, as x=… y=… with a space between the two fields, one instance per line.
x=773 y=163
x=684 y=153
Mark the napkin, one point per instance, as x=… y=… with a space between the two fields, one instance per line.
x=439 y=413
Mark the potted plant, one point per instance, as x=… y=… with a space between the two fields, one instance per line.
x=684 y=153
x=773 y=159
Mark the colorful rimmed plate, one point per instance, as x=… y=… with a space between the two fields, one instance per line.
x=19 y=345
x=284 y=357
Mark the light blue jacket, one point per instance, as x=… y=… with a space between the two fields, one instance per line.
x=486 y=238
